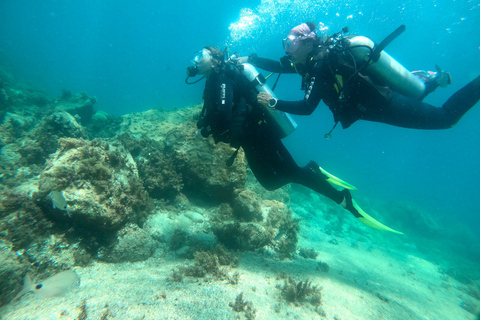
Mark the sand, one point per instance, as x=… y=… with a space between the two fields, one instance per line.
x=362 y=283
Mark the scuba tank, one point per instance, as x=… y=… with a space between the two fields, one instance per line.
x=283 y=122
x=384 y=68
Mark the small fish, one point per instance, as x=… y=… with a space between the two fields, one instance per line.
x=55 y=286
x=58 y=200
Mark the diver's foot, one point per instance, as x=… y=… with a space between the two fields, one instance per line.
x=433 y=79
x=347 y=203
x=442 y=78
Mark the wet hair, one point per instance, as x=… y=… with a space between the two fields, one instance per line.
x=308 y=30
x=217 y=54
x=317 y=40
x=311 y=25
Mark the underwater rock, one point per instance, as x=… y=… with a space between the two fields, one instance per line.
x=79 y=105
x=173 y=160
x=202 y=165
x=52 y=128
x=98 y=180
x=276 y=230
x=154 y=124
x=247 y=206
x=156 y=170
x=282 y=194
x=103 y=125
x=10 y=274
x=244 y=236
x=133 y=244
x=21 y=221
x=14 y=127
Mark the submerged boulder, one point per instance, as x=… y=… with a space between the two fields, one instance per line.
x=99 y=183
x=132 y=244
x=10 y=274
x=274 y=229
x=203 y=165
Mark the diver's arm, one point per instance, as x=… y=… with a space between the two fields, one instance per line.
x=303 y=107
x=282 y=66
x=312 y=98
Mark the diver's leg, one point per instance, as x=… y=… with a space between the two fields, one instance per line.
x=264 y=162
x=410 y=113
x=406 y=112
x=462 y=101
x=312 y=177
x=274 y=167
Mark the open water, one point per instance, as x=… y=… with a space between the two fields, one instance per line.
x=132 y=56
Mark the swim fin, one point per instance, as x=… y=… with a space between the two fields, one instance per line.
x=361 y=215
x=371 y=222
x=339 y=182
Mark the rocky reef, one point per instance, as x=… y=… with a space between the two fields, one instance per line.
x=79 y=185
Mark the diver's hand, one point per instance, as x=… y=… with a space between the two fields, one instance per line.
x=241 y=60
x=263 y=98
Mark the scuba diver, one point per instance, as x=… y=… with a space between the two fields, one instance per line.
x=231 y=114
x=357 y=80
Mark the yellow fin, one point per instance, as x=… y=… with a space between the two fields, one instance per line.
x=371 y=222
x=339 y=182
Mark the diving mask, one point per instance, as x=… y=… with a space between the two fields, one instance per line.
x=200 y=56
x=291 y=43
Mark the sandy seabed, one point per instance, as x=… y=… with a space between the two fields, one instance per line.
x=361 y=284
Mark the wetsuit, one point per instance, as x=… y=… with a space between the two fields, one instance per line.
x=330 y=76
x=230 y=114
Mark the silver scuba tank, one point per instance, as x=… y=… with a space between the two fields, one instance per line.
x=386 y=69
x=281 y=120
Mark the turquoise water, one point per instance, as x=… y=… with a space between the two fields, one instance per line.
x=132 y=57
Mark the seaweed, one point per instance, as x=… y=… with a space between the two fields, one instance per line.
x=176 y=276
x=83 y=311
x=308 y=253
x=178 y=240
x=323 y=266
x=243 y=306
x=301 y=291
x=216 y=262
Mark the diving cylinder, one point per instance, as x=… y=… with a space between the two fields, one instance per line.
x=386 y=69
x=283 y=122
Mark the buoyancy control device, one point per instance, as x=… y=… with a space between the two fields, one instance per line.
x=283 y=122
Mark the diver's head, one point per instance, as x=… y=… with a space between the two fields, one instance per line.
x=206 y=61
x=300 y=42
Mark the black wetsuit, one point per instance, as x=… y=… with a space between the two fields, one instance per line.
x=330 y=76
x=231 y=114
